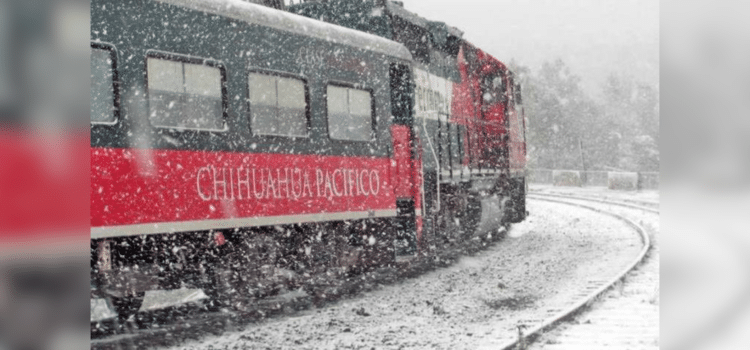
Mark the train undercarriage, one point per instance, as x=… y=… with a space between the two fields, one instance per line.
x=237 y=266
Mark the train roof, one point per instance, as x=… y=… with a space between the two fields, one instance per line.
x=281 y=20
x=418 y=20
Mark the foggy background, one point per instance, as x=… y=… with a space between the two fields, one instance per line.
x=589 y=71
x=595 y=38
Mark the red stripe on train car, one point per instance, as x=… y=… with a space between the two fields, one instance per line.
x=134 y=186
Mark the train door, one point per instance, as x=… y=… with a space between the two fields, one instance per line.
x=493 y=117
x=407 y=168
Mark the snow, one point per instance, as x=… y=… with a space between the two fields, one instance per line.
x=644 y=196
x=626 y=316
x=154 y=300
x=475 y=303
x=268 y=17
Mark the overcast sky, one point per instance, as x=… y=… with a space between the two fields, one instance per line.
x=595 y=37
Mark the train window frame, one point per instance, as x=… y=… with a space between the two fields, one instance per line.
x=113 y=55
x=189 y=59
x=373 y=115
x=279 y=74
x=487 y=86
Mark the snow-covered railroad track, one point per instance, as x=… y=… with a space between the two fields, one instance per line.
x=623 y=314
x=170 y=317
x=644 y=205
x=560 y=255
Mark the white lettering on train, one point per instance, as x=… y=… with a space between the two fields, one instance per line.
x=243 y=183
x=432 y=96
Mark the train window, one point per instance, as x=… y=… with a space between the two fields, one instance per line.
x=103 y=92
x=349 y=114
x=493 y=90
x=185 y=94
x=277 y=105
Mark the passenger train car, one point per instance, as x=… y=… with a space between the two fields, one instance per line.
x=236 y=147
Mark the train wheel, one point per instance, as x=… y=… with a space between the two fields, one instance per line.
x=472 y=215
x=244 y=274
x=126 y=306
x=218 y=288
x=455 y=218
x=318 y=251
x=256 y=260
x=378 y=244
x=516 y=211
x=449 y=227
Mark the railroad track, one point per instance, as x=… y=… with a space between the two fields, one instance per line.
x=645 y=205
x=175 y=325
x=594 y=288
x=172 y=325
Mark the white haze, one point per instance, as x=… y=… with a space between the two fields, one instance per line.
x=593 y=37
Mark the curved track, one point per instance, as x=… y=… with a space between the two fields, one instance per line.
x=644 y=205
x=189 y=322
x=529 y=335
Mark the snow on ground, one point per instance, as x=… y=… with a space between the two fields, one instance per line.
x=598 y=192
x=154 y=300
x=476 y=303
x=627 y=316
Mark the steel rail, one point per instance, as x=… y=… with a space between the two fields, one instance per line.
x=212 y=322
x=532 y=333
x=623 y=203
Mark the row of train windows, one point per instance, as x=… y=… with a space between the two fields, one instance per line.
x=188 y=94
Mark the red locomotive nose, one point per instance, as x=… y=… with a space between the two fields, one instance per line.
x=219 y=239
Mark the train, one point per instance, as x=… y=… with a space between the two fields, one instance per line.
x=237 y=147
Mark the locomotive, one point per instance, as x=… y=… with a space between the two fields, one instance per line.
x=237 y=147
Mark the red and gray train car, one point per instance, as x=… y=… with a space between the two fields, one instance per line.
x=233 y=139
